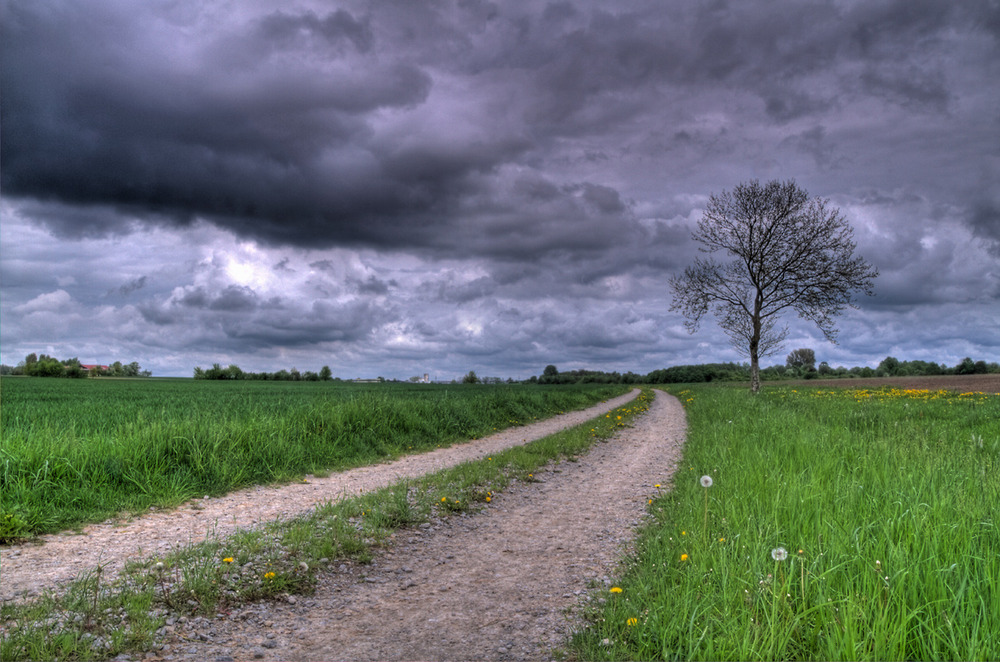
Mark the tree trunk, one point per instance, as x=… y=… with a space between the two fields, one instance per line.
x=755 y=347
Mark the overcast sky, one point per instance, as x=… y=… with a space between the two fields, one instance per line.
x=400 y=188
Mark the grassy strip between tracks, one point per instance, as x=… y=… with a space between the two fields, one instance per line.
x=816 y=524
x=101 y=616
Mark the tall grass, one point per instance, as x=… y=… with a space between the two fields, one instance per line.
x=882 y=504
x=79 y=451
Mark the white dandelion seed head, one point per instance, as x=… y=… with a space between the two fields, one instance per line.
x=779 y=554
x=706 y=481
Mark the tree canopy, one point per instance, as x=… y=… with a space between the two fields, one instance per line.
x=802 y=359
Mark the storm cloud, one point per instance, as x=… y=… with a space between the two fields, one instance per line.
x=408 y=184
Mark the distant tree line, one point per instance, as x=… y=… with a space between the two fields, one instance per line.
x=234 y=372
x=705 y=372
x=472 y=378
x=43 y=365
x=551 y=375
x=800 y=364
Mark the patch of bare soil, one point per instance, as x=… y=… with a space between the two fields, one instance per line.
x=507 y=583
x=50 y=562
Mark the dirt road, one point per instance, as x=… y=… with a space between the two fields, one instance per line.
x=499 y=585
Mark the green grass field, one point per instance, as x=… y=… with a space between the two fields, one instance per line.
x=839 y=525
x=76 y=451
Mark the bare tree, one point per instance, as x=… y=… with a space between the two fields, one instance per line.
x=787 y=252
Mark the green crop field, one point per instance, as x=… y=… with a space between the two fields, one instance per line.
x=835 y=524
x=76 y=451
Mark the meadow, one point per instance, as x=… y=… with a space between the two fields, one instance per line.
x=78 y=451
x=813 y=523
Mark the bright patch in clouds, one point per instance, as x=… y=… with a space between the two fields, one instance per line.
x=248 y=268
x=50 y=302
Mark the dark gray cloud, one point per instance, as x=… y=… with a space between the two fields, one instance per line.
x=985 y=223
x=133 y=285
x=273 y=123
x=241 y=319
x=454 y=179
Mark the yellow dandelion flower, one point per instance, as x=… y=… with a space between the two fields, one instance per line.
x=444 y=499
x=616 y=589
x=228 y=559
x=487 y=499
x=684 y=557
x=268 y=575
x=684 y=533
x=722 y=540
x=632 y=621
